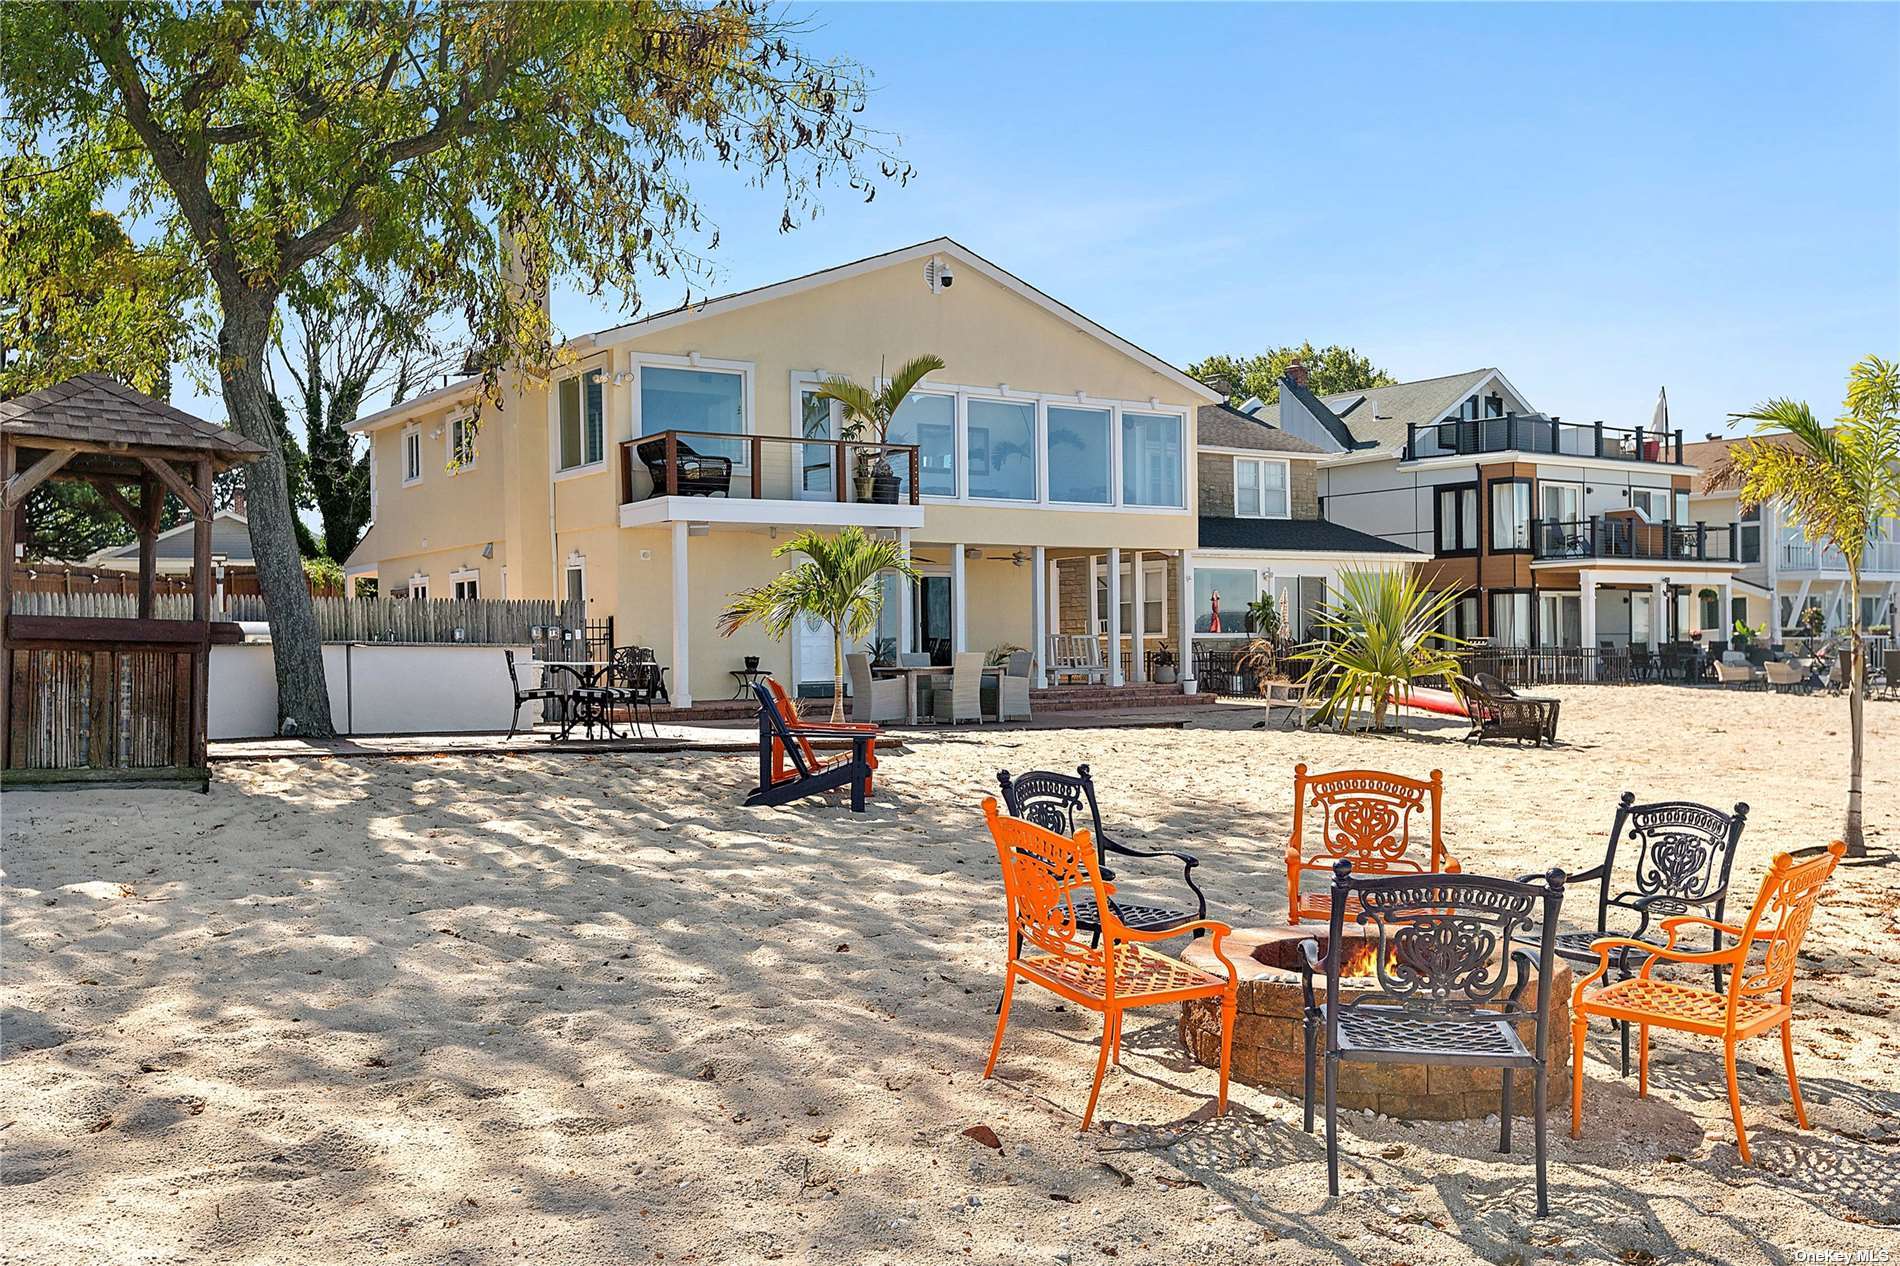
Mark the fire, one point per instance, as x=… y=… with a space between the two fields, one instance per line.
x=1360 y=959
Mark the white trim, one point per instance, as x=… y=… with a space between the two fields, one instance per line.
x=449 y=464
x=1286 y=487
x=1278 y=454
x=455 y=392
x=1661 y=470
x=1318 y=555
x=463 y=576
x=922 y=250
x=579 y=375
x=575 y=562
x=420 y=578
x=413 y=430
x=637 y=363
x=664 y=509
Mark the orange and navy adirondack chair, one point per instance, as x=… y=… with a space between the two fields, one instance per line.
x=1759 y=997
x=790 y=768
x=1045 y=876
x=1367 y=818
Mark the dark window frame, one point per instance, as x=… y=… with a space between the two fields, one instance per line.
x=1464 y=550
x=1490 y=533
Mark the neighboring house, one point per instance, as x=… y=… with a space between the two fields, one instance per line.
x=1560 y=533
x=1783 y=572
x=1046 y=440
x=230 y=547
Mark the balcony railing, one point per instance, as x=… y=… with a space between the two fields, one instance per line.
x=767 y=468
x=1534 y=433
x=1881 y=556
x=1627 y=537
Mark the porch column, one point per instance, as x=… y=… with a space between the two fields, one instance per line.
x=1054 y=592
x=906 y=596
x=1039 y=571
x=1725 y=616
x=682 y=692
x=1114 y=615
x=1138 y=636
x=1658 y=613
x=1185 y=607
x=1771 y=564
x=959 y=602
x=1588 y=585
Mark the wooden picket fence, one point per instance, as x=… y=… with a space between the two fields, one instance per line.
x=480 y=621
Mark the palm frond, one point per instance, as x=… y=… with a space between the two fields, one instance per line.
x=860 y=404
x=905 y=380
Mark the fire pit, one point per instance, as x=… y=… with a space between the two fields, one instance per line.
x=1270 y=1043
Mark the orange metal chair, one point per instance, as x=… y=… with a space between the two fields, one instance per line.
x=799 y=728
x=1045 y=875
x=1366 y=818
x=1760 y=995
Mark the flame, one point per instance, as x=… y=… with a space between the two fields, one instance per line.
x=1359 y=958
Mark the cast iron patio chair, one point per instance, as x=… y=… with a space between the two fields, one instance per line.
x=1760 y=994
x=1446 y=948
x=542 y=692
x=1046 y=877
x=1365 y=817
x=1054 y=801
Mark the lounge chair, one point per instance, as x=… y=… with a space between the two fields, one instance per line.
x=1044 y=875
x=1365 y=817
x=873 y=698
x=783 y=738
x=1759 y=997
x=1786 y=676
x=1511 y=716
x=699 y=474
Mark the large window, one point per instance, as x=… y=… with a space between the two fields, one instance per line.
x=1510 y=515
x=1260 y=488
x=930 y=422
x=583 y=422
x=1079 y=459
x=1461 y=617
x=1002 y=450
x=695 y=400
x=1221 y=599
x=1151 y=459
x=1457 y=530
x=1511 y=618
x=1750 y=535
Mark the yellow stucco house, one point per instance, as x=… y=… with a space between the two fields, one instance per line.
x=656 y=474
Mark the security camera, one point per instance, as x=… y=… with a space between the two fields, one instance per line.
x=937 y=275
x=945 y=278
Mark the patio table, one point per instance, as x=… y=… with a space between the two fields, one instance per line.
x=577 y=706
x=913 y=674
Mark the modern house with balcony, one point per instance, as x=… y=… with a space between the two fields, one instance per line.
x=657 y=470
x=1560 y=533
x=1783 y=572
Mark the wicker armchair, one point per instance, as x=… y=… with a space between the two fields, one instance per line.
x=1511 y=716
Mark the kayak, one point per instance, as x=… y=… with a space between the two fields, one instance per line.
x=1443 y=702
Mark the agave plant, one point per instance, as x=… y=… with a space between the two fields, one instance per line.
x=837 y=583
x=1379 y=633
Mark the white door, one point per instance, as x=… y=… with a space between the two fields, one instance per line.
x=815 y=419
x=811 y=655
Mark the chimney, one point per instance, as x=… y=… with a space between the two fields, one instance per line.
x=239 y=501
x=1296 y=373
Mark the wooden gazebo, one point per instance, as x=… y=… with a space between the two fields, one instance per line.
x=104 y=700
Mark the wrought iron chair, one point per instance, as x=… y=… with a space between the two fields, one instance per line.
x=1446 y=948
x=1760 y=994
x=633 y=679
x=1054 y=801
x=542 y=692
x=1365 y=817
x=1046 y=878
x=1684 y=852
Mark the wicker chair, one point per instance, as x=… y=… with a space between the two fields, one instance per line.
x=963 y=701
x=1510 y=716
x=1007 y=696
x=1786 y=676
x=873 y=698
x=699 y=475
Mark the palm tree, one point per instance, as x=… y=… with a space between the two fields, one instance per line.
x=872 y=411
x=1836 y=483
x=837 y=583
x=1378 y=635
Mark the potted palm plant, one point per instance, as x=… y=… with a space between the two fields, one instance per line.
x=837 y=583
x=1382 y=633
x=869 y=413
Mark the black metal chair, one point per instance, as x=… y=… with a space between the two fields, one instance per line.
x=1446 y=948
x=1684 y=851
x=633 y=679
x=700 y=474
x=542 y=692
x=1054 y=801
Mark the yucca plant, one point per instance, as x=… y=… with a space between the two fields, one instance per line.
x=1835 y=483
x=1379 y=634
x=837 y=582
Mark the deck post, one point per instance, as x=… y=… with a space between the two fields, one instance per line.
x=1137 y=637
x=682 y=620
x=1115 y=615
x=1588 y=585
x=1039 y=618
x=1185 y=659
x=906 y=597
x=959 y=601
x=1658 y=612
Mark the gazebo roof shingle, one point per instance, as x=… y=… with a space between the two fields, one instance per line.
x=92 y=409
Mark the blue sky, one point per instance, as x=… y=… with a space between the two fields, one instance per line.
x=1599 y=199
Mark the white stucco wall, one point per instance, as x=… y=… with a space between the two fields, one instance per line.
x=375 y=688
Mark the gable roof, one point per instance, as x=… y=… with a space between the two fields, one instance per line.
x=1318 y=410
x=1377 y=416
x=1223 y=426
x=95 y=409
x=738 y=299
x=230 y=536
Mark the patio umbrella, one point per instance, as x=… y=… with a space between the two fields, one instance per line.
x=1659 y=421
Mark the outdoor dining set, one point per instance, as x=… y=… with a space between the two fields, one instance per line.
x=589 y=693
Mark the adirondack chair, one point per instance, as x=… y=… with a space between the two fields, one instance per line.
x=1365 y=817
x=1075 y=655
x=790 y=769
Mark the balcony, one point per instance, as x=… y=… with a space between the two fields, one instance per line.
x=1881 y=557
x=709 y=476
x=1534 y=433
x=1627 y=537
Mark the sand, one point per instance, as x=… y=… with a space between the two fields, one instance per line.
x=562 y=1009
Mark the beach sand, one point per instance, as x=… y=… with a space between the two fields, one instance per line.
x=589 y=1009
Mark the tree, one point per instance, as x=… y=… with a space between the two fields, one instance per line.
x=1328 y=370
x=836 y=583
x=1381 y=633
x=868 y=410
x=269 y=143
x=1835 y=483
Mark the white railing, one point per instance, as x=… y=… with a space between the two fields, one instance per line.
x=1881 y=556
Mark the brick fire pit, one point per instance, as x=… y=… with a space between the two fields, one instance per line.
x=1269 y=1035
